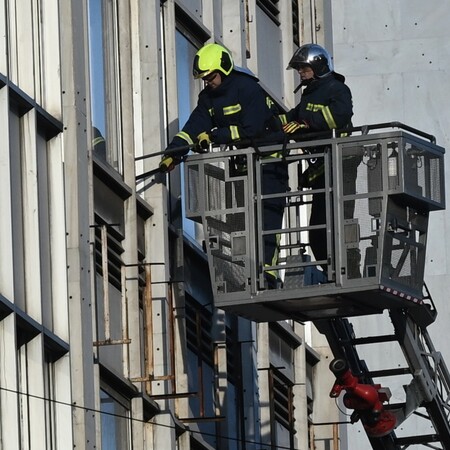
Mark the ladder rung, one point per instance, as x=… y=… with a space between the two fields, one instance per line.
x=411 y=440
x=394 y=406
x=373 y=339
x=389 y=372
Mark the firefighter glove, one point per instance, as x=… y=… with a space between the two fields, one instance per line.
x=294 y=127
x=204 y=140
x=168 y=163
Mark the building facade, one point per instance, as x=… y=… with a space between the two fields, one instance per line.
x=109 y=336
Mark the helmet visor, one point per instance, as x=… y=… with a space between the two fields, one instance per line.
x=196 y=71
x=314 y=56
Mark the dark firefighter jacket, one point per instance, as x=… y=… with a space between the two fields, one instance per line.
x=235 y=110
x=325 y=104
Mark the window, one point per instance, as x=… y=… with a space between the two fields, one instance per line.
x=44 y=229
x=109 y=239
x=104 y=79
x=32 y=41
x=200 y=365
x=198 y=330
x=115 y=422
x=204 y=376
x=282 y=344
x=24 y=407
x=31 y=106
x=188 y=90
x=281 y=352
x=33 y=424
x=270 y=7
x=16 y=206
x=282 y=408
x=32 y=207
x=50 y=413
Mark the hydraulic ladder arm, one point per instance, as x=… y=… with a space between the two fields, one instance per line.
x=428 y=390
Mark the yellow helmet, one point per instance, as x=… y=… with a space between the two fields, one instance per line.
x=211 y=58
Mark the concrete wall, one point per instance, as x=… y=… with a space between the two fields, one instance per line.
x=395 y=58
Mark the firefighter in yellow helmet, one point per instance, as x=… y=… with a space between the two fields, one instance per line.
x=233 y=107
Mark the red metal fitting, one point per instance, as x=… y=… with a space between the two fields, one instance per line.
x=366 y=399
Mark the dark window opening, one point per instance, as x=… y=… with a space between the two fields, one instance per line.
x=295 y=23
x=198 y=331
x=270 y=7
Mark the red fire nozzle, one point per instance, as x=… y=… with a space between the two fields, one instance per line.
x=365 y=399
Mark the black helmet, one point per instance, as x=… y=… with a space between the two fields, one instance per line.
x=314 y=56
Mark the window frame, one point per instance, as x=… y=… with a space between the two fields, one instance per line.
x=111 y=83
x=281 y=394
x=125 y=403
x=271 y=9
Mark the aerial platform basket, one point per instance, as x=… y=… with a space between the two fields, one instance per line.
x=376 y=227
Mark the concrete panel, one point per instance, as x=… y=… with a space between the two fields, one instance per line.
x=379 y=103
x=193 y=6
x=380 y=57
x=372 y=20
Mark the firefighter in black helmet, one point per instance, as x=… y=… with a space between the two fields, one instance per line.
x=325 y=104
x=233 y=107
x=326 y=101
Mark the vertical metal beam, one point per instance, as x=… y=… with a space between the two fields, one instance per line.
x=198 y=328
x=125 y=331
x=148 y=328
x=105 y=273
x=172 y=362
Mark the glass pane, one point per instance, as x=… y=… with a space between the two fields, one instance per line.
x=49 y=406
x=97 y=70
x=44 y=232
x=114 y=423
x=188 y=90
x=104 y=73
x=17 y=207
